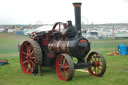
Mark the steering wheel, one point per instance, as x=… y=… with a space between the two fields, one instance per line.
x=60 y=24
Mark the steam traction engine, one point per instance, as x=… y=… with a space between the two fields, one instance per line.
x=57 y=48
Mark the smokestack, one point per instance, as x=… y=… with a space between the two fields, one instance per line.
x=77 y=8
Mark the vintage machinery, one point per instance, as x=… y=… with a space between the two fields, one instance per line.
x=57 y=48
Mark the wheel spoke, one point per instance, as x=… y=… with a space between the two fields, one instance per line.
x=33 y=64
x=28 y=56
x=27 y=69
x=64 y=68
x=99 y=64
x=59 y=64
x=32 y=57
x=27 y=49
x=64 y=61
x=24 y=53
x=31 y=53
x=25 y=57
x=25 y=62
x=60 y=61
x=62 y=58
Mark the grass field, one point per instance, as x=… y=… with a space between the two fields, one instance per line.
x=11 y=74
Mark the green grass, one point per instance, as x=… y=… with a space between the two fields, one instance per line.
x=11 y=74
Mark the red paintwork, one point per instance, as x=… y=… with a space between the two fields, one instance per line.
x=59 y=23
x=94 y=70
x=63 y=75
x=82 y=41
x=27 y=58
x=51 y=55
x=45 y=41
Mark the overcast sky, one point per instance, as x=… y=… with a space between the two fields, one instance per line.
x=51 y=11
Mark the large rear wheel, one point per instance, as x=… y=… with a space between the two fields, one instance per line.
x=64 y=67
x=30 y=56
x=98 y=62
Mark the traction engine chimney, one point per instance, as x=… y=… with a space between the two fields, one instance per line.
x=77 y=8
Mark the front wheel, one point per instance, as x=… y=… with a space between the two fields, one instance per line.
x=64 y=67
x=98 y=62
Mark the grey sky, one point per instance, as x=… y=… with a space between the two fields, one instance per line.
x=51 y=11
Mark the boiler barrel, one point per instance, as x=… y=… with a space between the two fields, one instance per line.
x=58 y=46
x=76 y=48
